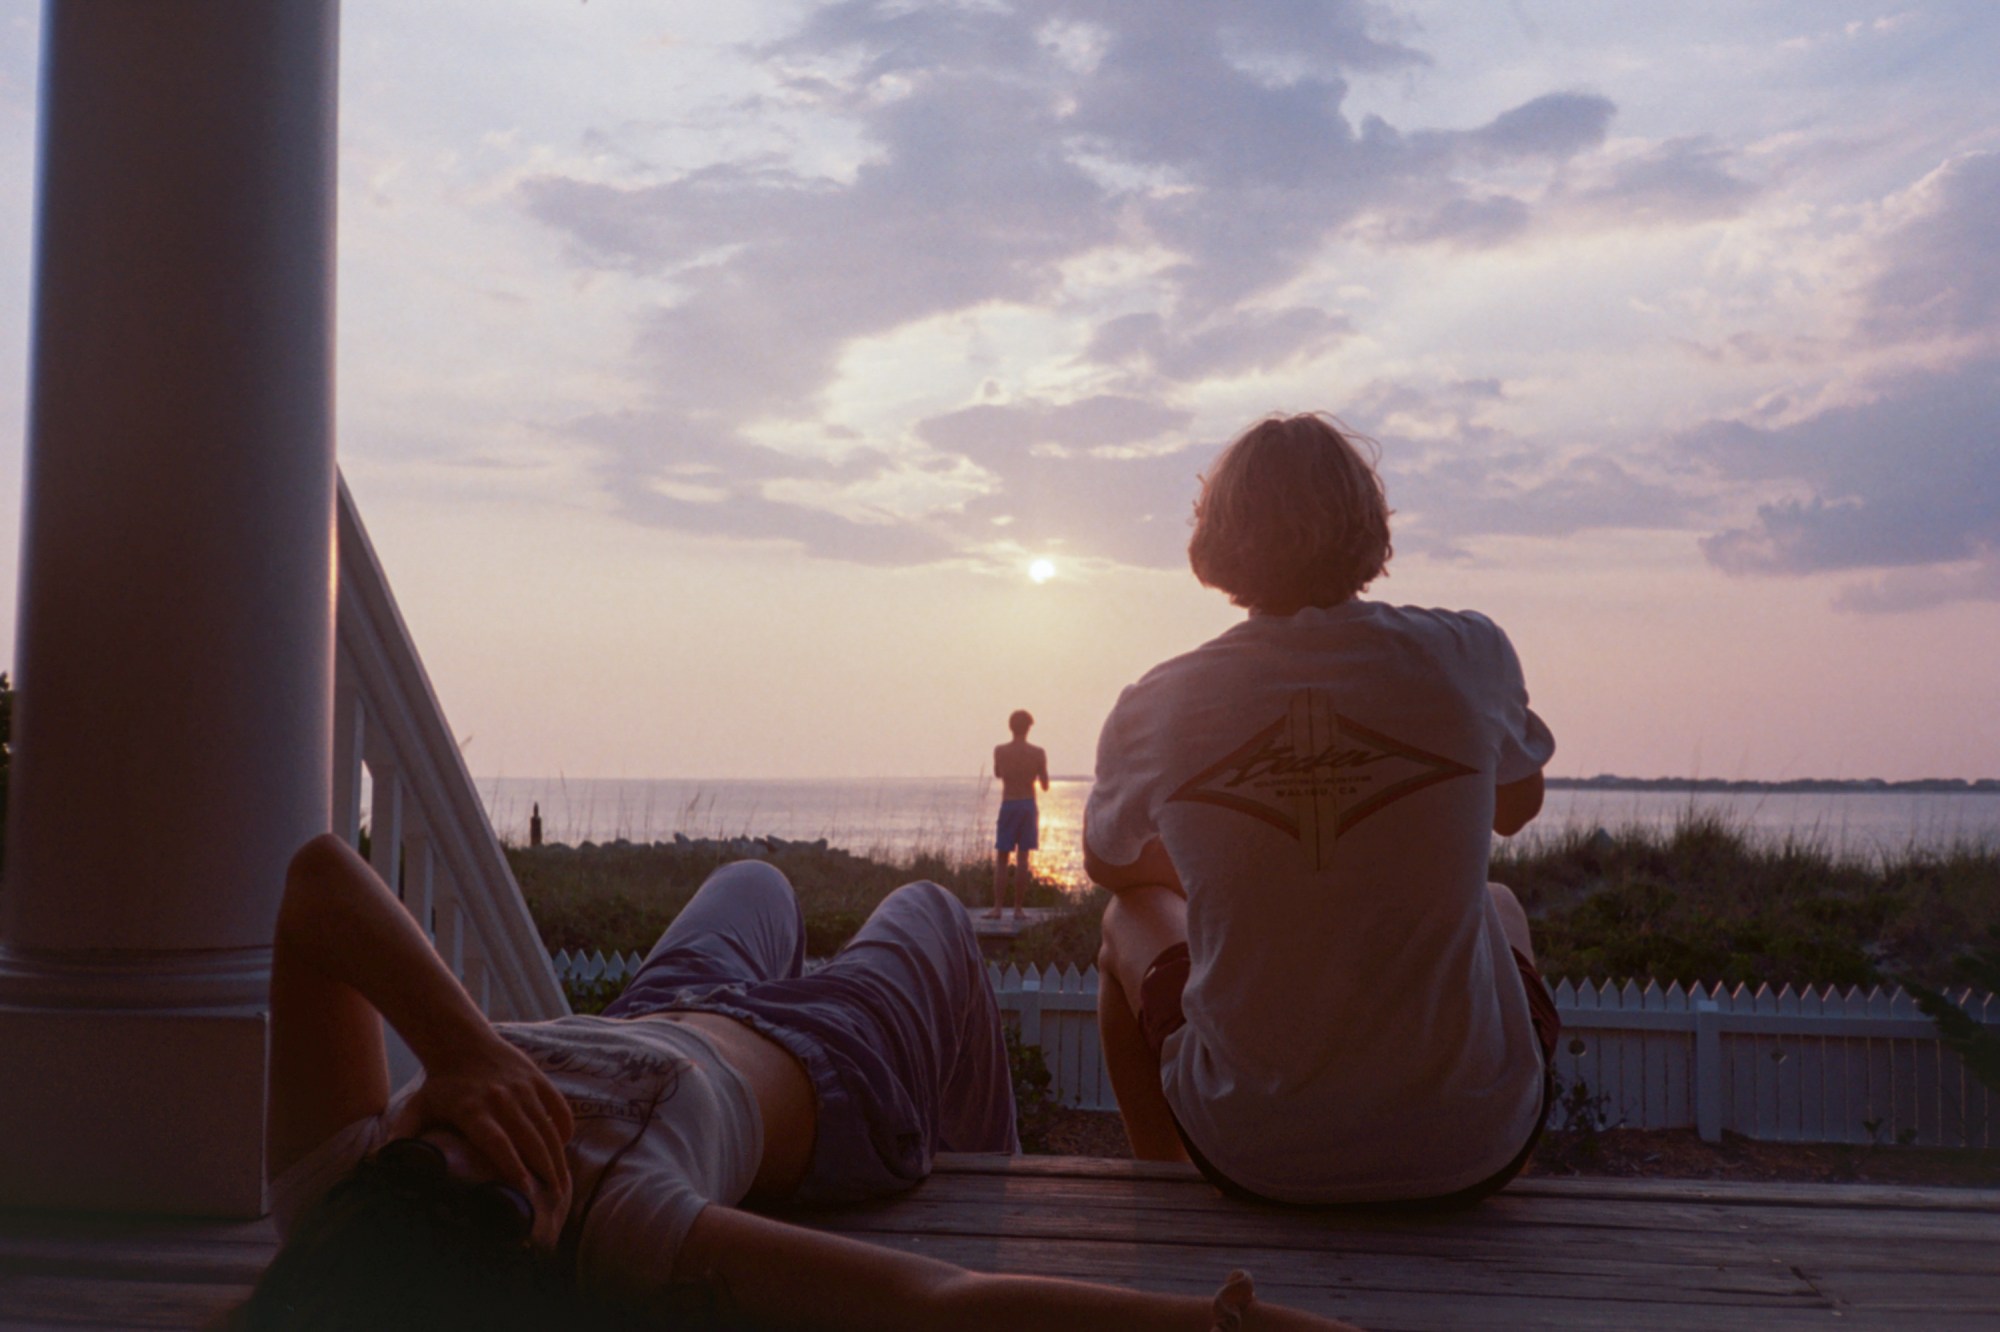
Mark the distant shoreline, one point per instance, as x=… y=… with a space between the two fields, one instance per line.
x=1813 y=785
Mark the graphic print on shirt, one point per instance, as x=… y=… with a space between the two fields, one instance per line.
x=616 y=1067
x=1313 y=774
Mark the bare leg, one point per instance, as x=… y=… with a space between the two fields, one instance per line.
x=999 y=884
x=1021 y=876
x=1513 y=919
x=1139 y=924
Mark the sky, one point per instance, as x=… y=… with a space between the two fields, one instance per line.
x=712 y=377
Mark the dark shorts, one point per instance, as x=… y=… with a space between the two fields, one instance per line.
x=1020 y=826
x=899 y=1034
x=1160 y=1016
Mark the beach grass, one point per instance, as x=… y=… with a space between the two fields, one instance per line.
x=619 y=896
x=1702 y=901
x=1706 y=901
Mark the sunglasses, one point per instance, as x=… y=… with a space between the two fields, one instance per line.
x=493 y=1207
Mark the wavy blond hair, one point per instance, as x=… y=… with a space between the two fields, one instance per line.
x=1291 y=515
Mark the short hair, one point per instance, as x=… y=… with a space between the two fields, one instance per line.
x=1291 y=515
x=1020 y=721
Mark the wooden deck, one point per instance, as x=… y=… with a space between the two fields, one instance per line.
x=1581 y=1254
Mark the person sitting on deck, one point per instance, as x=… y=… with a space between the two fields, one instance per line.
x=1018 y=765
x=587 y=1170
x=1309 y=987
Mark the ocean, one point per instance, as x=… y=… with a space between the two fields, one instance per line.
x=896 y=818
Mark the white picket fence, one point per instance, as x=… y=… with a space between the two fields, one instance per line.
x=1857 y=1066
x=1779 y=1066
x=579 y=969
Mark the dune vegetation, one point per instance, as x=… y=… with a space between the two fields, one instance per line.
x=1702 y=901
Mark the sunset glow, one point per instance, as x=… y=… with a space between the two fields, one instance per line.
x=709 y=376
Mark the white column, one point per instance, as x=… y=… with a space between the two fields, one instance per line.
x=175 y=644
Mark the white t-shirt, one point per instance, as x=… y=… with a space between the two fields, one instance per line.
x=702 y=1142
x=1324 y=785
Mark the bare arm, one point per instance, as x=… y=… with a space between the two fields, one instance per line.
x=1153 y=868
x=347 y=955
x=1516 y=804
x=1042 y=767
x=782 y=1276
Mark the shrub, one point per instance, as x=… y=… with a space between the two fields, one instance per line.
x=1034 y=1091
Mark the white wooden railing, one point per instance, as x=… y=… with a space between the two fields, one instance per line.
x=429 y=837
x=1856 y=1066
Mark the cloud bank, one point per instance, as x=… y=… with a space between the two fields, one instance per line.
x=1905 y=483
x=1157 y=192
x=1203 y=148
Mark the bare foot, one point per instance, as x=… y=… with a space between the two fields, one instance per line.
x=994 y=914
x=1020 y=914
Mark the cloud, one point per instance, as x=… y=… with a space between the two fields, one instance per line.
x=994 y=150
x=1534 y=493
x=1238 y=343
x=1453 y=478
x=1000 y=435
x=1940 y=266
x=1557 y=126
x=1919 y=589
x=1475 y=223
x=1678 y=181
x=1910 y=478
x=1132 y=511
x=694 y=476
x=1071 y=477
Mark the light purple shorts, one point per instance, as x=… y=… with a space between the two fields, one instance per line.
x=899 y=1032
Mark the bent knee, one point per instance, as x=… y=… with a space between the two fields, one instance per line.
x=1513 y=918
x=751 y=876
x=1139 y=925
x=925 y=907
x=324 y=854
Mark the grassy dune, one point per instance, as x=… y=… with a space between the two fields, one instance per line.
x=1702 y=901
x=621 y=895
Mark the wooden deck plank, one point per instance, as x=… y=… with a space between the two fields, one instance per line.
x=1192 y=1212
x=1569 y=1254
x=34 y=1303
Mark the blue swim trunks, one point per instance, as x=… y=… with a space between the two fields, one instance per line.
x=1020 y=826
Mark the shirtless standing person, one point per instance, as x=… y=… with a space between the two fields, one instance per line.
x=1018 y=765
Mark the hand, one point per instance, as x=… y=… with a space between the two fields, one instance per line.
x=500 y=1102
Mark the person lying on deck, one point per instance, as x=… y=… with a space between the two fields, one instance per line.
x=1310 y=987
x=594 y=1170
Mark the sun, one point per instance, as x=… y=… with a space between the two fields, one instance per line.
x=1042 y=570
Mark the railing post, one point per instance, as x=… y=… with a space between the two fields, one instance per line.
x=385 y=823
x=1708 y=1070
x=420 y=880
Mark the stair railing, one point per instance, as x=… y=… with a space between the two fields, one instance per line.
x=428 y=834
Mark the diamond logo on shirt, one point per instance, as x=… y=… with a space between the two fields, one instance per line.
x=1313 y=774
